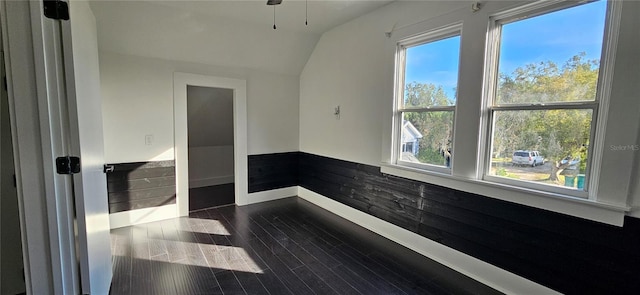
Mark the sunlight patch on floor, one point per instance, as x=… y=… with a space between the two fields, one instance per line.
x=205 y=226
x=203 y=255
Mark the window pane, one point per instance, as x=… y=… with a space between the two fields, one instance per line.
x=431 y=73
x=426 y=137
x=547 y=147
x=554 y=57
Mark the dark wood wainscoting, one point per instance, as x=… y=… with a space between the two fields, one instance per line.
x=141 y=185
x=272 y=171
x=568 y=254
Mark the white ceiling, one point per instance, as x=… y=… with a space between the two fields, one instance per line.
x=234 y=34
x=323 y=15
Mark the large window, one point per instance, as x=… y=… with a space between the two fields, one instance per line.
x=526 y=119
x=544 y=98
x=427 y=71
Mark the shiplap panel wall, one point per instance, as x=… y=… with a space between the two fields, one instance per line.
x=568 y=254
x=272 y=171
x=141 y=185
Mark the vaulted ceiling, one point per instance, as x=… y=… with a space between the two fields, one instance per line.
x=290 y=15
x=236 y=34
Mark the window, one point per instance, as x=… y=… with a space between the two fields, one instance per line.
x=525 y=122
x=407 y=147
x=427 y=72
x=544 y=97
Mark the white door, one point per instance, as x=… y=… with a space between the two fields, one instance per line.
x=56 y=111
x=80 y=50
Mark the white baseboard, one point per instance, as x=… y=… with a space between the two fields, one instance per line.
x=210 y=181
x=270 y=195
x=470 y=266
x=133 y=217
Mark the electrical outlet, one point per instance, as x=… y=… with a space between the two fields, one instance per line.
x=148 y=139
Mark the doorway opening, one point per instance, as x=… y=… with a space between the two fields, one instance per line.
x=210 y=144
x=205 y=86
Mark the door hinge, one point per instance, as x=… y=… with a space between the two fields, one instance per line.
x=15 y=181
x=4 y=83
x=56 y=9
x=67 y=165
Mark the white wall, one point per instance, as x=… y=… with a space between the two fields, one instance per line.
x=352 y=66
x=632 y=67
x=210 y=165
x=138 y=101
x=635 y=185
x=621 y=128
x=349 y=67
x=210 y=136
x=209 y=116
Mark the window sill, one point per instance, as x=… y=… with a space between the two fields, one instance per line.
x=583 y=208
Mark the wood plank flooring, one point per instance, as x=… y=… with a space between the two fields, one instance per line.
x=286 y=246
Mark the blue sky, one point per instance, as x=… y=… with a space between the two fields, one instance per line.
x=435 y=62
x=555 y=36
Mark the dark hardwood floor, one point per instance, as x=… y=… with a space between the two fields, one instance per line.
x=211 y=196
x=286 y=246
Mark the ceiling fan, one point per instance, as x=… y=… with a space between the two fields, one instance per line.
x=278 y=2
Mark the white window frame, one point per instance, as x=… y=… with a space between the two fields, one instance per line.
x=608 y=196
x=400 y=67
x=598 y=113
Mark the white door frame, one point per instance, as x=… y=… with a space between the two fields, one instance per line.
x=35 y=83
x=181 y=144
